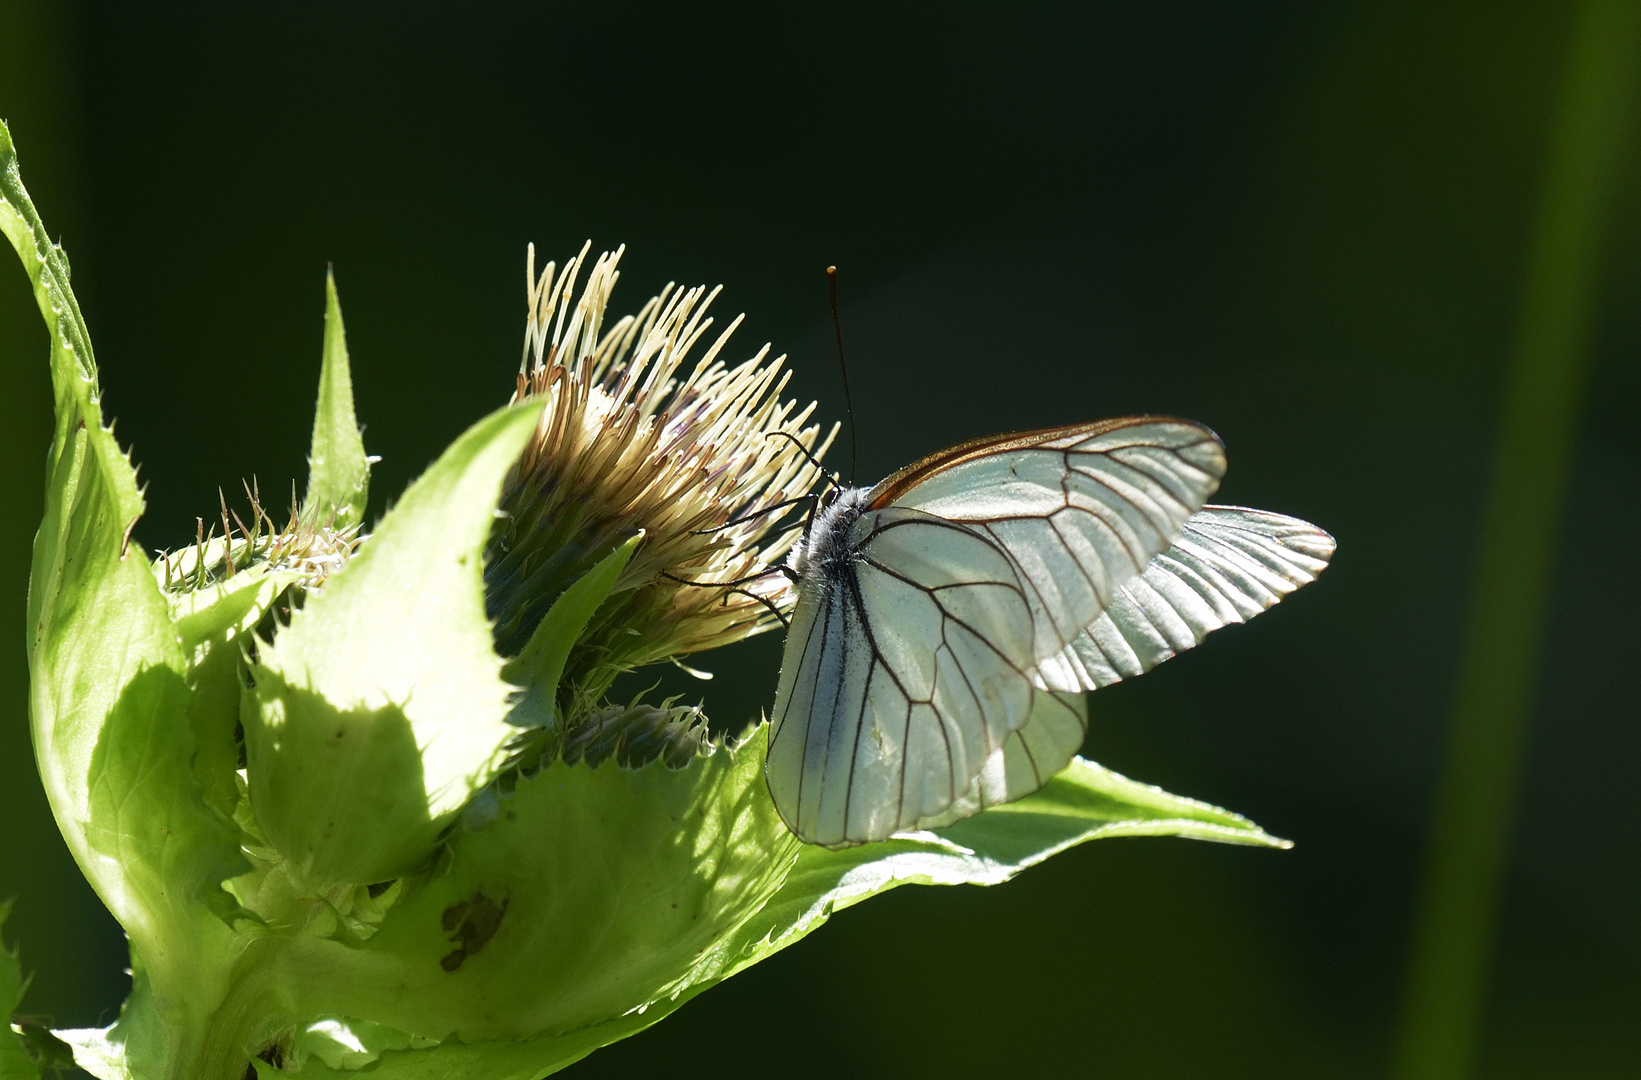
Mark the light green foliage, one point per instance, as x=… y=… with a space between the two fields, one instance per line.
x=381 y=709
x=338 y=470
x=646 y=870
x=541 y=664
x=108 y=686
x=213 y=622
x=330 y=907
x=15 y=1062
x=1086 y=802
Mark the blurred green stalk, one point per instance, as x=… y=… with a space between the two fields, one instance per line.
x=1493 y=700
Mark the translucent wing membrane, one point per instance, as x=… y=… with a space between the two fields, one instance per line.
x=908 y=673
x=1051 y=737
x=1081 y=511
x=1228 y=564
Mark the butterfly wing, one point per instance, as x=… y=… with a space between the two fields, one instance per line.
x=1228 y=564
x=907 y=675
x=1081 y=512
x=939 y=671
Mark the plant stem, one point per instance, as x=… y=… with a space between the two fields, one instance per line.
x=1543 y=391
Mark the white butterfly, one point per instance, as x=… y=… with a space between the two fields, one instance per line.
x=949 y=618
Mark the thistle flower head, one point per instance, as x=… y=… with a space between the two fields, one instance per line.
x=644 y=429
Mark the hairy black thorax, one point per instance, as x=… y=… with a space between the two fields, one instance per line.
x=825 y=552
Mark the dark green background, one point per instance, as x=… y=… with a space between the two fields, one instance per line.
x=1304 y=224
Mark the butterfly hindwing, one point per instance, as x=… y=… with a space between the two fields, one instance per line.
x=1045 y=744
x=1228 y=564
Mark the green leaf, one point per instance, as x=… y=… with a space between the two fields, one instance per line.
x=108 y=702
x=523 y=1059
x=338 y=470
x=1085 y=802
x=540 y=665
x=586 y=897
x=97 y=1053
x=15 y=1062
x=381 y=708
x=92 y=501
x=213 y=622
x=228 y=608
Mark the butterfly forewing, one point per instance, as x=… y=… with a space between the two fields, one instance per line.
x=796 y=700
x=906 y=671
x=1081 y=512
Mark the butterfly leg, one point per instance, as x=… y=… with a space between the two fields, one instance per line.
x=811 y=499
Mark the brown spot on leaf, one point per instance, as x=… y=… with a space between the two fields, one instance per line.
x=470 y=924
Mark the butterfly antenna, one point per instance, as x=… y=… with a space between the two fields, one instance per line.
x=804 y=450
x=848 y=399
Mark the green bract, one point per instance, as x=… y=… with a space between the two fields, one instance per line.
x=324 y=808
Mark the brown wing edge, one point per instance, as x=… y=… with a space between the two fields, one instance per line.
x=895 y=486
